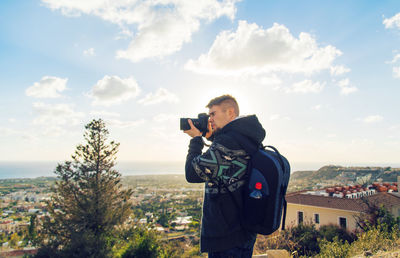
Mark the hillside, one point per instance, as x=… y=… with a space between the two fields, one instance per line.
x=331 y=175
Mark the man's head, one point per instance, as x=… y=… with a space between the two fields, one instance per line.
x=222 y=110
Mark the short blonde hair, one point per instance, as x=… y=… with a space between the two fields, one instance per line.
x=226 y=101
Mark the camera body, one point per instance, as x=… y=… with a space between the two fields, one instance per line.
x=200 y=123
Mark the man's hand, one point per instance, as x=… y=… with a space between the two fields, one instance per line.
x=193 y=132
x=210 y=131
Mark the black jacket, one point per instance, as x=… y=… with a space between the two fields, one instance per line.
x=222 y=168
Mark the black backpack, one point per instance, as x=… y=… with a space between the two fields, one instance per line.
x=265 y=189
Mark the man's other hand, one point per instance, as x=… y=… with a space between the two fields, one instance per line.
x=193 y=132
x=210 y=131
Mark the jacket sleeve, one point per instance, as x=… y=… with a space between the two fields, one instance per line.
x=195 y=148
x=203 y=167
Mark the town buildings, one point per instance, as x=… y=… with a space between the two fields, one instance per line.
x=340 y=206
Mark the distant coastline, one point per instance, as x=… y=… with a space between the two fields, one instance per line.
x=33 y=169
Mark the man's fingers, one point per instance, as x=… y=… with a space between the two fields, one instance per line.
x=210 y=131
x=191 y=123
x=193 y=131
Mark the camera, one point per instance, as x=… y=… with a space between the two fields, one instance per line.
x=200 y=123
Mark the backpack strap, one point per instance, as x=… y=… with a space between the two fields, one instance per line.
x=251 y=148
x=279 y=156
x=284 y=213
x=284 y=197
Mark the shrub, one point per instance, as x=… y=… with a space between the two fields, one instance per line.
x=375 y=239
x=329 y=232
x=144 y=243
x=305 y=236
x=374 y=215
x=378 y=238
x=298 y=240
x=335 y=248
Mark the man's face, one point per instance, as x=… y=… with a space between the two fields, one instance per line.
x=219 y=117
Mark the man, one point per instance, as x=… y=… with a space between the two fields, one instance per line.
x=222 y=167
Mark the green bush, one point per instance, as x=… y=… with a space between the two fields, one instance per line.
x=298 y=240
x=329 y=232
x=376 y=215
x=306 y=238
x=335 y=248
x=376 y=239
x=144 y=243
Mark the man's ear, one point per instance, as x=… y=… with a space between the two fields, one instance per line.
x=231 y=112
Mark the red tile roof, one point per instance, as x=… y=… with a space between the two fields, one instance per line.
x=388 y=200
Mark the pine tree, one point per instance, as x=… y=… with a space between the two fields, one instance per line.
x=88 y=202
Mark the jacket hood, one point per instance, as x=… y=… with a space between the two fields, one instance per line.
x=248 y=126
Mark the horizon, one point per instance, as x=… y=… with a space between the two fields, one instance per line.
x=24 y=169
x=322 y=77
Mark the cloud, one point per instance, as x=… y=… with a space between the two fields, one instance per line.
x=373 y=119
x=89 y=52
x=124 y=124
x=24 y=134
x=162 y=26
x=160 y=118
x=103 y=113
x=274 y=117
x=316 y=107
x=5 y=131
x=57 y=114
x=392 y=22
x=339 y=70
x=54 y=131
x=254 y=50
x=164 y=37
x=395 y=69
x=270 y=79
x=396 y=72
x=113 y=90
x=161 y=95
x=306 y=86
x=395 y=59
x=48 y=87
x=395 y=128
x=164 y=136
x=346 y=88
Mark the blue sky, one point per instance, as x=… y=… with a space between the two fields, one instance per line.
x=323 y=77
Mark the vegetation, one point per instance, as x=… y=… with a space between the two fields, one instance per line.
x=381 y=233
x=139 y=242
x=88 y=201
x=302 y=240
x=376 y=215
x=375 y=239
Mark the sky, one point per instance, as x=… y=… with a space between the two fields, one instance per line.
x=323 y=77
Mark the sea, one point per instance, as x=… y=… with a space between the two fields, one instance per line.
x=33 y=169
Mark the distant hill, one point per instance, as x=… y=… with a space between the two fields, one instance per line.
x=324 y=173
x=301 y=174
x=339 y=173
